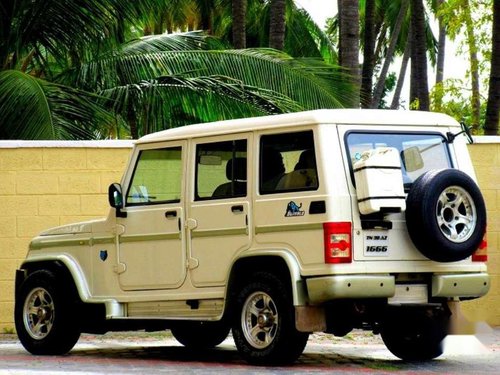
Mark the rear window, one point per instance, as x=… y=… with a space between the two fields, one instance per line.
x=419 y=153
x=287 y=163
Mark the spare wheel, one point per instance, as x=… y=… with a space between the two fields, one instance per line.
x=445 y=215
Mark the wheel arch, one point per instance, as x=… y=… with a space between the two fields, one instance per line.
x=63 y=266
x=279 y=262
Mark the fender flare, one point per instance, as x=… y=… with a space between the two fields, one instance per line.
x=298 y=283
x=74 y=270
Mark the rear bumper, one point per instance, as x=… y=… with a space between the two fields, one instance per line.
x=327 y=288
x=460 y=285
x=322 y=289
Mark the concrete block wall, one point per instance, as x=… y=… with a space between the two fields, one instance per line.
x=485 y=154
x=46 y=184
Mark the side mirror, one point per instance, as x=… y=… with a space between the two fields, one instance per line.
x=115 y=198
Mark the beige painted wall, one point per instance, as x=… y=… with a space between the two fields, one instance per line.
x=45 y=184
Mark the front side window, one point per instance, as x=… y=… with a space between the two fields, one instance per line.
x=157 y=177
x=287 y=163
x=419 y=153
x=221 y=170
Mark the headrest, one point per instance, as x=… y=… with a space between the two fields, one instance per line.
x=306 y=160
x=236 y=167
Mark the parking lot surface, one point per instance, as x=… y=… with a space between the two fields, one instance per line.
x=151 y=353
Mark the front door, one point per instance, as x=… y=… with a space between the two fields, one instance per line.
x=151 y=245
x=220 y=209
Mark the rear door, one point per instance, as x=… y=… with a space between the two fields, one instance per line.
x=419 y=152
x=218 y=217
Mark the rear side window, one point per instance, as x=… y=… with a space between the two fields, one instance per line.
x=157 y=177
x=419 y=153
x=221 y=170
x=287 y=163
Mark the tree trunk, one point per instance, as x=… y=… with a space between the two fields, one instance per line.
x=493 y=106
x=419 y=85
x=440 y=60
x=441 y=47
x=239 y=11
x=205 y=10
x=277 y=24
x=349 y=42
x=402 y=74
x=368 y=54
x=474 y=67
x=390 y=54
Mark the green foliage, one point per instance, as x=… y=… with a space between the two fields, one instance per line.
x=390 y=84
x=451 y=97
x=69 y=72
x=32 y=108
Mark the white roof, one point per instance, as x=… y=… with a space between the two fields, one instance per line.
x=321 y=116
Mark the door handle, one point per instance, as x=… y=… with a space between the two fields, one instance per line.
x=237 y=208
x=170 y=214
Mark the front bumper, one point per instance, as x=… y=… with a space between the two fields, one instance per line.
x=327 y=288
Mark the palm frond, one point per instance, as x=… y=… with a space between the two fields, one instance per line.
x=171 y=102
x=319 y=85
x=194 y=40
x=32 y=108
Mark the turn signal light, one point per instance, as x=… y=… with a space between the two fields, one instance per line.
x=481 y=254
x=337 y=237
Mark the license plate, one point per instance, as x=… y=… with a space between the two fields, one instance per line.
x=376 y=243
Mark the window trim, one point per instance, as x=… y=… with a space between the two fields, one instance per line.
x=155 y=203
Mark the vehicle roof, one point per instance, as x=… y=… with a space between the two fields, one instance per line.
x=379 y=117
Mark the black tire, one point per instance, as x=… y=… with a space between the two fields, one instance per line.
x=414 y=334
x=264 y=322
x=445 y=215
x=200 y=335
x=45 y=315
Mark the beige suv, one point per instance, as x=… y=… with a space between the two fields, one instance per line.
x=272 y=227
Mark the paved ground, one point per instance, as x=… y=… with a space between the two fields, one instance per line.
x=141 y=353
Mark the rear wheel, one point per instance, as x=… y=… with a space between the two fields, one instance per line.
x=264 y=322
x=200 y=335
x=414 y=334
x=45 y=315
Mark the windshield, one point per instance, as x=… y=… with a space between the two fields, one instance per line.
x=419 y=153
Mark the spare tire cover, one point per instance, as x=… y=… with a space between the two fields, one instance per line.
x=445 y=215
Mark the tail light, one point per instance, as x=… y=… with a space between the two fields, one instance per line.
x=338 y=246
x=481 y=254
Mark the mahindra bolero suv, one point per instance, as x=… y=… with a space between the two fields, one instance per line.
x=272 y=228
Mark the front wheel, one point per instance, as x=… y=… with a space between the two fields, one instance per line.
x=264 y=322
x=44 y=315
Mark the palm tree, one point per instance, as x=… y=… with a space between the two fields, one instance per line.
x=277 y=24
x=438 y=5
x=39 y=40
x=64 y=83
x=349 y=42
x=474 y=65
x=239 y=10
x=390 y=53
x=493 y=105
x=369 y=38
x=419 y=87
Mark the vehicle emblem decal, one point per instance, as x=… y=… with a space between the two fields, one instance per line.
x=103 y=254
x=292 y=209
